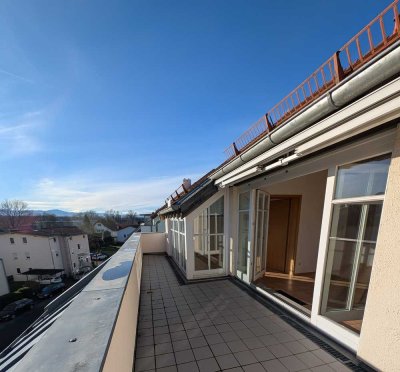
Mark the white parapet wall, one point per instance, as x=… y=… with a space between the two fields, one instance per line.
x=153 y=242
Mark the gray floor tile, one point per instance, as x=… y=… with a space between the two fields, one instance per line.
x=256 y=367
x=208 y=365
x=274 y=365
x=145 y=341
x=236 y=369
x=163 y=348
x=253 y=343
x=220 y=349
x=292 y=363
x=161 y=339
x=209 y=330
x=339 y=367
x=227 y=361
x=167 y=369
x=223 y=328
x=198 y=342
x=214 y=339
x=165 y=360
x=324 y=356
x=202 y=353
x=144 y=351
x=181 y=345
x=309 y=359
x=230 y=336
x=310 y=345
x=295 y=347
x=245 y=357
x=236 y=346
x=195 y=332
x=268 y=340
x=144 y=364
x=279 y=350
x=262 y=354
x=188 y=367
x=184 y=356
x=324 y=368
x=177 y=336
x=160 y=330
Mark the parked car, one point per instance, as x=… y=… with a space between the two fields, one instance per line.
x=50 y=280
x=50 y=290
x=14 y=308
x=98 y=256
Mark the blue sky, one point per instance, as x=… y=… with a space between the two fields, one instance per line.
x=109 y=104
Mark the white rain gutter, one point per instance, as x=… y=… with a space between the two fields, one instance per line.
x=373 y=74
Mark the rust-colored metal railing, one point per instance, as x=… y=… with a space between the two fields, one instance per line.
x=379 y=34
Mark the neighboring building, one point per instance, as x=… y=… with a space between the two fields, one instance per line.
x=63 y=250
x=124 y=232
x=4 y=288
x=100 y=227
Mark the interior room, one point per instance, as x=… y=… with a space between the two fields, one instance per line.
x=294 y=223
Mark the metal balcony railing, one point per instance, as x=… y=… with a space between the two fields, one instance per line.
x=378 y=35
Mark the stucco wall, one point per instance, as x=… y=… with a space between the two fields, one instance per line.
x=153 y=242
x=42 y=252
x=312 y=190
x=3 y=280
x=380 y=334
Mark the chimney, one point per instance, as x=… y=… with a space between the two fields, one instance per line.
x=186 y=183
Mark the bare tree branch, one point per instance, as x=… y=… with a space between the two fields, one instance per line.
x=15 y=212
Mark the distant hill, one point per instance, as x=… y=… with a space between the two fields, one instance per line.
x=57 y=212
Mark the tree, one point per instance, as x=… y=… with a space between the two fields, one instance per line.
x=15 y=211
x=87 y=225
x=48 y=221
x=131 y=217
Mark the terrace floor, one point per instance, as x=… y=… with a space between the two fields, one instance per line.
x=216 y=326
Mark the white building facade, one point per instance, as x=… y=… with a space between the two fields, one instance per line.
x=4 y=288
x=22 y=252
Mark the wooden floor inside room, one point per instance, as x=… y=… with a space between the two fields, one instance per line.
x=354 y=325
x=299 y=287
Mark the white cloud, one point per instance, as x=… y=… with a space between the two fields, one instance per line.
x=19 y=136
x=79 y=194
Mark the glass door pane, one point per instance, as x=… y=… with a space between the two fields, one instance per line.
x=243 y=256
x=261 y=234
x=351 y=252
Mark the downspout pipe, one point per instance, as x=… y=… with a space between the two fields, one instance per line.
x=374 y=73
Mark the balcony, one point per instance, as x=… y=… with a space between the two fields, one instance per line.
x=135 y=314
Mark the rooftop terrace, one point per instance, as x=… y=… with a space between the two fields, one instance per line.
x=217 y=326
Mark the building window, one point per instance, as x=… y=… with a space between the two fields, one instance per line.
x=79 y=246
x=56 y=254
x=74 y=264
x=27 y=255
x=24 y=240
x=178 y=242
x=12 y=241
x=356 y=213
x=54 y=239
x=18 y=270
x=209 y=237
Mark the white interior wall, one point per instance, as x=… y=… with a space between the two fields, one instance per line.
x=312 y=191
